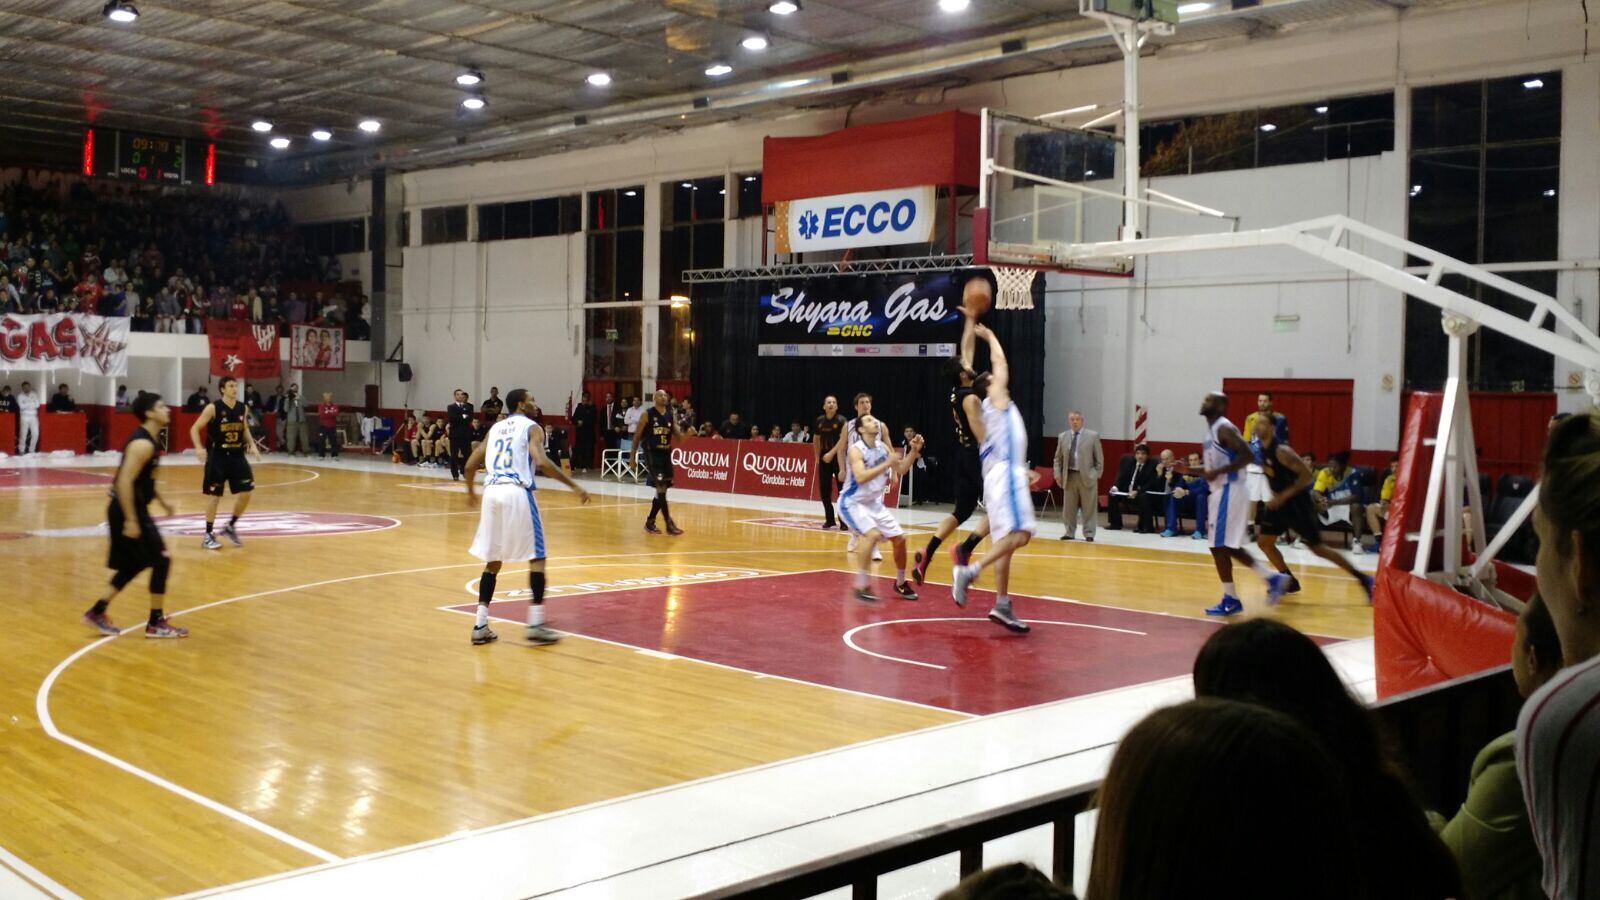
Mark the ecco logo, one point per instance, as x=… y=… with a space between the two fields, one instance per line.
x=852 y=220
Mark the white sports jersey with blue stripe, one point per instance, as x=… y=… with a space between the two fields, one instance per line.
x=1229 y=501
x=861 y=504
x=1004 y=457
x=509 y=526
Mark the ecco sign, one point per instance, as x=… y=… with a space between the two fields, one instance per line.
x=867 y=219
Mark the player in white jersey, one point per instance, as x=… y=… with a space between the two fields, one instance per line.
x=848 y=436
x=1003 y=455
x=1225 y=455
x=509 y=526
x=861 y=504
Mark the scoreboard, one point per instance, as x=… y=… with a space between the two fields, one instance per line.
x=142 y=156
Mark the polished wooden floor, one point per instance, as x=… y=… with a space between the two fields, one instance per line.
x=326 y=697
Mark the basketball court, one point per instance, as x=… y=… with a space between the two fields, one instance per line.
x=328 y=707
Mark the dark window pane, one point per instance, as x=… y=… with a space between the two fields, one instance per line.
x=602 y=268
x=602 y=210
x=1444 y=203
x=1222 y=142
x=1448 y=115
x=749 y=195
x=710 y=198
x=674 y=344
x=546 y=217
x=612 y=343
x=1520 y=203
x=1164 y=149
x=630 y=265
x=675 y=256
x=1296 y=136
x=1361 y=110
x=1506 y=363
x=1525 y=107
x=518 y=225
x=571 y=214
x=678 y=201
x=707 y=246
x=1360 y=126
x=630 y=207
x=455 y=218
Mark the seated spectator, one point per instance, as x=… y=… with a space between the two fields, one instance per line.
x=1135 y=478
x=732 y=429
x=1191 y=778
x=796 y=434
x=61 y=401
x=755 y=433
x=422 y=445
x=197 y=401
x=122 y=403
x=1490 y=835
x=1558 y=733
x=1378 y=513
x=1014 y=881
x=8 y=401
x=405 y=440
x=1187 y=497
x=776 y=434
x=1265 y=662
x=1336 y=491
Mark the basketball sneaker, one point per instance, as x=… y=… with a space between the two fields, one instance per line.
x=210 y=542
x=165 y=629
x=865 y=595
x=905 y=591
x=1294 y=585
x=232 y=534
x=650 y=526
x=484 y=635
x=672 y=528
x=102 y=623
x=1227 y=606
x=877 y=553
x=960 y=555
x=962 y=576
x=919 y=567
x=855 y=540
x=538 y=634
x=1003 y=615
x=1277 y=586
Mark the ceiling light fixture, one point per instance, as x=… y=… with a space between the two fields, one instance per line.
x=719 y=70
x=1189 y=9
x=370 y=126
x=754 y=42
x=599 y=79
x=792 y=83
x=1416 y=189
x=1550 y=192
x=261 y=125
x=954 y=6
x=1321 y=110
x=687 y=184
x=322 y=134
x=749 y=178
x=784 y=7
x=125 y=13
x=281 y=143
x=1269 y=127
x=474 y=103
x=630 y=193
x=469 y=78
x=1533 y=84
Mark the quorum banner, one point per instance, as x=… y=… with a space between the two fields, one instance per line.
x=91 y=344
x=862 y=315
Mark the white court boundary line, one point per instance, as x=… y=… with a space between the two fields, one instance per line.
x=33 y=880
x=80 y=490
x=849 y=635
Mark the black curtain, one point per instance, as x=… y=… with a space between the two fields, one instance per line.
x=729 y=376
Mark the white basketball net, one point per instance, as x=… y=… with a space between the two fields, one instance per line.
x=1016 y=287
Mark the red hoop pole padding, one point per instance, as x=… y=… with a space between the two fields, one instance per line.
x=1425 y=633
x=980 y=236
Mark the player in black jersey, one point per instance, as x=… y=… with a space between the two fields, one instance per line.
x=1290 y=508
x=825 y=441
x=135 y=541
x=228 y=439
x=654 y=434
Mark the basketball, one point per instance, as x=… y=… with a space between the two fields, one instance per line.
x=977 y=296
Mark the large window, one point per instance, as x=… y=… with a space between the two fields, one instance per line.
x=1271 y=136
x=444 y=225
x=676 y=344
x=616 y=245
x=530 y=218
x=328 y=238
x=1485 y=180
x=691 y=229
x=749 y=202
x=612 y=347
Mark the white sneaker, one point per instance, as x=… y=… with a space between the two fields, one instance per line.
x=854 y=540
x=877 y=555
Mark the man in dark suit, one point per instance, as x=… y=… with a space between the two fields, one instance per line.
x=608 y=425
x=458 y=428
x=583 y=433
x=1135 y=479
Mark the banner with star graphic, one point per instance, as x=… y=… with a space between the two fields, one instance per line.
x=866 y=219
x=243 y=349
x=96 y=345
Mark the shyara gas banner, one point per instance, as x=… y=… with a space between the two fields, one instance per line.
x=855 y=315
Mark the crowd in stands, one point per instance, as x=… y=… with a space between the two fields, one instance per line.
x=1276 y=782
x=169 y=260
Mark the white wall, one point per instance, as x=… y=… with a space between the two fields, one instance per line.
x=1181 y=326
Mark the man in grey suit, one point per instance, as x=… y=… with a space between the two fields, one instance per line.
x=1077 y=467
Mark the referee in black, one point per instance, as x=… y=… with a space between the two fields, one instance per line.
x=656 y=429
x=458 y=426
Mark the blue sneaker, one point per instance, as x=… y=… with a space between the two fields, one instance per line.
x=1367 y=585
x=1198 y=535
x=1228 y=606
x=958 y=590
x=1169 y=533
x=1277 y=586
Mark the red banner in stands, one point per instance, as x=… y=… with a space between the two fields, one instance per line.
x=242 y=349
x=941 y=149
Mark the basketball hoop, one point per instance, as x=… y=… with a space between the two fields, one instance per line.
x=1016 y=287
